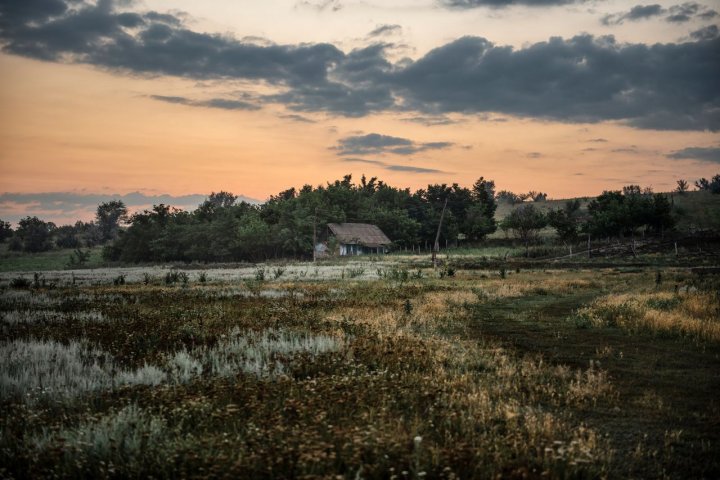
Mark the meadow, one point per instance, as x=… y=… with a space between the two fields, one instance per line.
x=375 y=369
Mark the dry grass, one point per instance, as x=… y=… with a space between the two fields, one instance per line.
x=695 y=315
x=314 y=380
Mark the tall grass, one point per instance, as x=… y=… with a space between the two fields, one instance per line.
x=36 y=369
x=695 y=315
x=257 y=353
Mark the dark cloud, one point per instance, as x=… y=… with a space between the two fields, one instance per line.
x=394 y=168
x=674 y=14
x=638 y=12
x=383 y=30
x=465 y=4
x=711 y=154
x=376 y=144
x=297 y=118
x=431 y=120
x=69 y=206
x=598 y=140
x=582 y=79
x=689 y=10
x=535 y=155
x=222 y=103
x=706 y=33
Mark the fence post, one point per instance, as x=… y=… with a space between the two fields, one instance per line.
x=588 y=245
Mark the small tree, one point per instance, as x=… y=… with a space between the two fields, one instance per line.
x=565 y=221
x=109 y=215
x=507 y=196
x=682 y=187
x=34 y=235
x=702 y=184
x=480 y=215
x=715 y=184
x=526 y=222
x=5 y=231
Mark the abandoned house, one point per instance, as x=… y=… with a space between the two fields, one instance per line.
x=353 y=239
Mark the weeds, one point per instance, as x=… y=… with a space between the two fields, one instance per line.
x=20 y=283
x=324 y=378
x=277 y=272
x=355 y=272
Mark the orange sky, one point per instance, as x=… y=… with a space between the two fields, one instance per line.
x=79 y=128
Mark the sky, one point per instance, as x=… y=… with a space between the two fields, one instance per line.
x=165 y=101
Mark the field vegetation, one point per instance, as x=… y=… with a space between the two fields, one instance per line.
x=367 y=370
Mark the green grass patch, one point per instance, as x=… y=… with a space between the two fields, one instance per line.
x=51 y=260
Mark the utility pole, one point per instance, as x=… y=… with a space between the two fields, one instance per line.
x=436 y=247
x=314 y=246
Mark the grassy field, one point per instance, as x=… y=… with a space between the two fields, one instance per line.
x=51 y=260
x=362 y=371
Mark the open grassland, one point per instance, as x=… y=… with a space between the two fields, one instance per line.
x=376 y=370
x=56 y=259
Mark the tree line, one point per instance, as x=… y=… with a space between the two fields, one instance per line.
x=222 y=229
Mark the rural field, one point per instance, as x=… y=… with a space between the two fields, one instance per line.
x=385 y=368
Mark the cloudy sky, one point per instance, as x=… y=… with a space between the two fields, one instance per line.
x=168 y=100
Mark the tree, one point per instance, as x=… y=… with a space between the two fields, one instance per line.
x=108 y=216
x=565 y=221
x=525 y=222
x=536 y=196
x=66 y=237
x=702 y=184
x=216 y=203
x=682 y=187
x=34 y=235
x=508 y=197
x=6 y=231
x=480 y=215
x=715 y=184
x=660 y=218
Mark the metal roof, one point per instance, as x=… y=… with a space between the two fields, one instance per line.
x=359 y=233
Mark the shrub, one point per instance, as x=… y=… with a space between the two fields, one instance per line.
x=20 y=283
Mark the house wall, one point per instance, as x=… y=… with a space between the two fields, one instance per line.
x=349 y=249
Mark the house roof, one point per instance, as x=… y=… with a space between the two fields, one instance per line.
x=359 y=233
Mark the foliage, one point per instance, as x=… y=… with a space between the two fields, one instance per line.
x=79 y=258
x=221 y=229
x=712 y=185
x=682 y=187
x=566 y=221
x=616 y=213
x=34 y=235
x=525 y=222
x=6 y=231
x=109 y=216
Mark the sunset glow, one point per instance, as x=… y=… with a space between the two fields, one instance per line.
x=84 y=113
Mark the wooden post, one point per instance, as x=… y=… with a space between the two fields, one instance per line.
x=314 y=236
x=676 y=250
x=436 y=247
x=588 y=245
